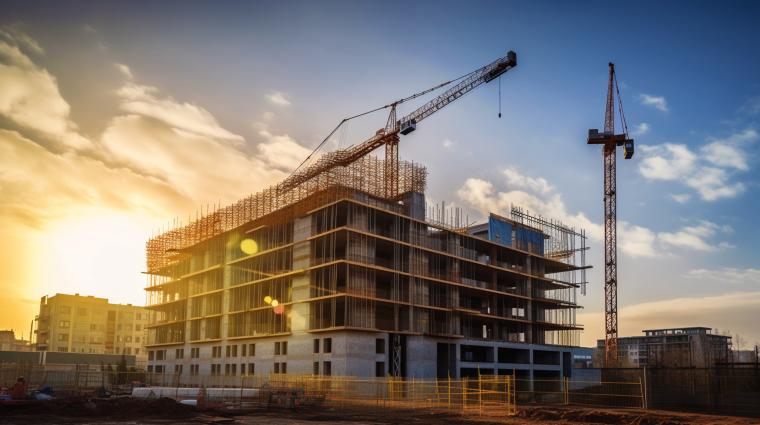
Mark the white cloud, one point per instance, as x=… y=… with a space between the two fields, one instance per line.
x=125 y=71
x=709 y=172
x=641 y=129
x=636 y=241
x=538 y=196
x=146 y=101
x=278 y=98
x=535 y=195
x=448 y=144
x=726 y=275
x=30 y=97
x=67 y=184
x=713 y=184
x=729 y=152
x=157 y=149
x=281 y=151
x=657 y=102
x=696 y=237
x=666 y=162
x=681 y=198
x=520 y=181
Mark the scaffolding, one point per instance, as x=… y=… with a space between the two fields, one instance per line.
x=366 y=174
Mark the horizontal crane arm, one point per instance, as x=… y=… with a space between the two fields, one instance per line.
x=405 y=125
x=476 y=78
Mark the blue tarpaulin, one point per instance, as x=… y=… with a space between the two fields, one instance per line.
x=499 y=231
x=528 y=237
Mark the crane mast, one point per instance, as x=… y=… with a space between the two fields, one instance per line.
x=610 y=141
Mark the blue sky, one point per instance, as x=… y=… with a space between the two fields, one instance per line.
x=263 y=82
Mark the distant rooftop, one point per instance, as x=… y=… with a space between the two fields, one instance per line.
x=47 y=298
x=677 y=331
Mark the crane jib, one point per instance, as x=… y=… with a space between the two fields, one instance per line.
x=477 y=77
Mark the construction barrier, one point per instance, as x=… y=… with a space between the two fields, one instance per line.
x=581 y=392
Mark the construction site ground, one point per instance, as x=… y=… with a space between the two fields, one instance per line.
x=166 y=411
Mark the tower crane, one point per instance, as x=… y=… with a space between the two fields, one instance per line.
x=610 y=141
x=389 y=135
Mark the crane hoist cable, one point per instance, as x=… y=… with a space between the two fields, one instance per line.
x=390 y=105
x=388 y=136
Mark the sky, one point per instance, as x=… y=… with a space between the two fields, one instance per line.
x=116 y=119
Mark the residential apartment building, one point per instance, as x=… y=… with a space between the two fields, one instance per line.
x=336 y=277
x=673 y=347
x=87 y=324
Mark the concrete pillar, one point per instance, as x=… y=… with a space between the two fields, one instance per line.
x=529 y=305
x=299 y=313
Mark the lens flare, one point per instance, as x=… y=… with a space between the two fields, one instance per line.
x=249 y=246
x=279 y=309
x=268 y=299
x=275 y=303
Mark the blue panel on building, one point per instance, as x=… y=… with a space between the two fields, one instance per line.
x=499 y=231
x=530 y=239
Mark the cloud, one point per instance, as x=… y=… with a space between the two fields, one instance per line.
x=30 y=97
x=693 y=237
x=726 y=275
x=125 y=71
x=540 y=197
x=713 y=184
x=281 y=151
x=708 y=172
x=681 y=198
x=156 y=153
x=728 y=153
x=146 y=101
x=40 y=186
x=636 y=241
x=725 y=311
x=666 y=162
x=657 y=102
x=278 y=98
x=751 y=106
x=448 y=144
x=13 y=34
x=157 y=158
x=641 y=129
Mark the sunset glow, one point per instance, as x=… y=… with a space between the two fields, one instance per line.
x=112 y=133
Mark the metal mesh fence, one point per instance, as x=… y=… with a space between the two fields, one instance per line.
x=581 y=392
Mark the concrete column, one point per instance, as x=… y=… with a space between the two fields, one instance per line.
x=529 y=305
x=299 y=317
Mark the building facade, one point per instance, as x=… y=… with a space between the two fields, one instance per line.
x=86 y=324
x=674 y=347
x=9 y=342
x=340 y=279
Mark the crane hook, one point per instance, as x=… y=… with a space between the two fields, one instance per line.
x=499 y=96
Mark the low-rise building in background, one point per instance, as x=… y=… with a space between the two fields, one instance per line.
x=9 y=342
x=87 y=324
x=675 y=347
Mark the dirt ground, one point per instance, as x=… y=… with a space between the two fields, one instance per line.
x=165 y=411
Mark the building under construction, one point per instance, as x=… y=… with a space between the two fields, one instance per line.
x=342 y=269
x=334 y=277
